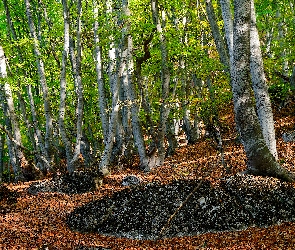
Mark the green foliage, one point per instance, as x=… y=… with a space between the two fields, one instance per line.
x=279 y=92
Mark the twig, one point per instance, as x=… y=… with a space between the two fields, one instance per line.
x=167 y=225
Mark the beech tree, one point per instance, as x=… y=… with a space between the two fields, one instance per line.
x=93 y=83
x=260 y=159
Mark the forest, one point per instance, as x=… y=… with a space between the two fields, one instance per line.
x=148 y=124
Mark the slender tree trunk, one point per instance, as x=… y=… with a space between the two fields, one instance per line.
x=105 y=160
x=165 y=77
x=263 y=104
x=114 y=82
x=62 y=104
x=146 y=162
x=42 y=78
x=37 y=140
x=219 y=42
x=79 y=90
x=18 y=158
x=103 y=109
x=260 y=160
x=228 y=26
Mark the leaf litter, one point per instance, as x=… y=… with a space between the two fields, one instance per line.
x=226 y=211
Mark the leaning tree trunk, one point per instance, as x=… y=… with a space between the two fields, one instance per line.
x=218 y=39
x=263 y=105
x=42 y=78
x=260 y=159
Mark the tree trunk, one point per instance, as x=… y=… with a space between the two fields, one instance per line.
x=103 y=109
x=263 y=105
x=228 y=26
x=219 y=42
x=165 y=77
x=62 y=104
x=8 y=105
x=79 y=91
x=42 y=78
x=260 y=160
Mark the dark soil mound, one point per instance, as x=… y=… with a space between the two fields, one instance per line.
x=188 y=208
x=7 y=199
x=76 y=183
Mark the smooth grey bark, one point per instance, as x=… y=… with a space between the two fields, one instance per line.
x=17 y=157
x=218 y=39
x=165 y=78
x=228 y=26
x=114 y=79
x=35 y=136
x=103 y=109
x=79 y=91
x=42 y=78
x=260 y=160
x=106 y=156
x=263 y=104
x=146 y=162
x=62 y=105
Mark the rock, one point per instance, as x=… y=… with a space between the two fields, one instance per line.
x=131 y=180
x=78 y=182
x=288 y=137
x=142 y=211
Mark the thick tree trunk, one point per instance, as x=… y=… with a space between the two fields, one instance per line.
x=260 y=160
x=263 y=105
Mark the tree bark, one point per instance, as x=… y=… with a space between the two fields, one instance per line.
x=263 y=104
x=219 y=42
x=260 y=160
x=42 y=78
x=62 y=105
x=165 y=78
x=103 y=109
x=18 y=159
x=79 y=91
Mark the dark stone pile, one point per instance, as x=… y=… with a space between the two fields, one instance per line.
x=76 y=183
x=7 y=199
x=145 y=211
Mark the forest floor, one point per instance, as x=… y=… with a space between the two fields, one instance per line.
x=40 y=221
